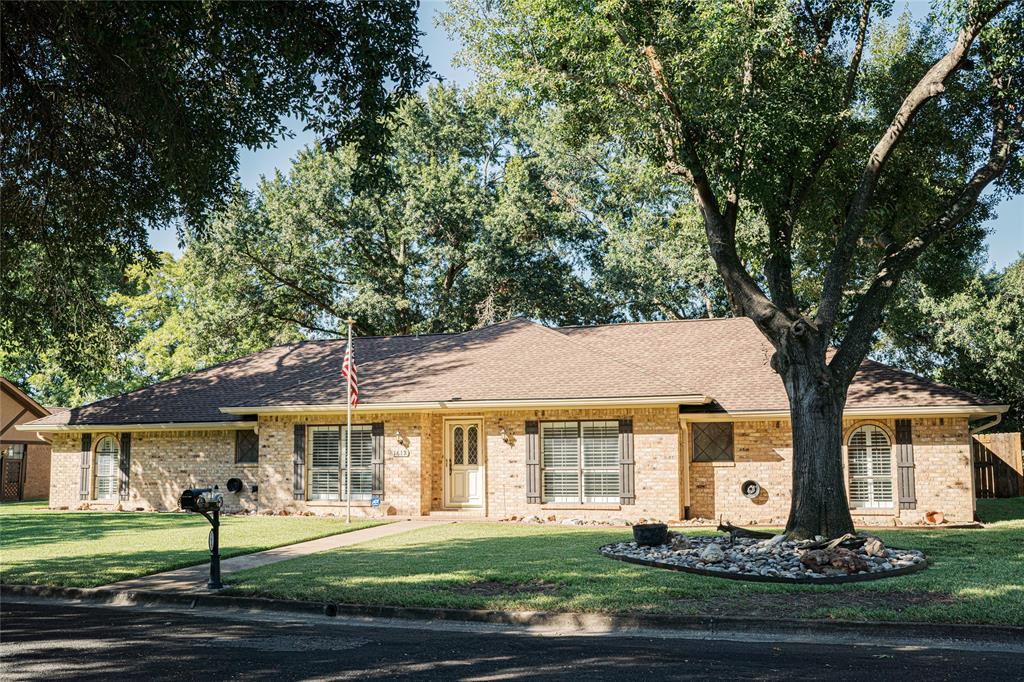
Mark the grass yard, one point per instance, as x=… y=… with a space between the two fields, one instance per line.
x=86 y=549
x=977 y=576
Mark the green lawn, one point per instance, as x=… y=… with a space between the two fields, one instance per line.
x=86 y=549
x=977 y=576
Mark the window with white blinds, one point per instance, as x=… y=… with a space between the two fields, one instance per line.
x=580 y=461
x=106 y=468
x=324 y=463
x=327 y=462
x=362 y=461
x=869 y=456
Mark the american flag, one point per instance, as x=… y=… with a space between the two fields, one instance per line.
x=348 y=367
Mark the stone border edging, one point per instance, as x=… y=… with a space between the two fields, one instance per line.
x=1011 y=634
x=828 y=580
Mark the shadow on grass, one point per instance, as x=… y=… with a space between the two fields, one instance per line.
x=975 y=577
x=104 y=569
x=1006 y=509
x=43 y=528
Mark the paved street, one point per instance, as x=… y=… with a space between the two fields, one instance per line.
x=56 y=640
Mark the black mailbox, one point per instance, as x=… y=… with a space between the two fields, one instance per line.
x=207 y=501
x=201 y=499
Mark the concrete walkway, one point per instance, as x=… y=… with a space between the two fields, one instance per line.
x=194 y=578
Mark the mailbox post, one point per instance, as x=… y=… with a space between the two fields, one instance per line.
x=207 y=501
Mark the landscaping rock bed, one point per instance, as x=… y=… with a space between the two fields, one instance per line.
x=773 y=559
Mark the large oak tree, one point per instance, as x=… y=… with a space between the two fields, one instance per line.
x=859 y=151
x=123 y=116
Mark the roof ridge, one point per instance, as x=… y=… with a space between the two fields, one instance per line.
x=636 y=323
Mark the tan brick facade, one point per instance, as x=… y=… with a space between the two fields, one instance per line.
x=763 y=453
x=165 y=462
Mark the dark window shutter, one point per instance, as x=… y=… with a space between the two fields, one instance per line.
x=299 y=461
x=532 y=462
x=905 y=464
x=627 y=466
x=83 y=488
x=125 y=464
x=377 y=429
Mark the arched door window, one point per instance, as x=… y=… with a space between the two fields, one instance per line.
x=869 y=456
x=106 y=468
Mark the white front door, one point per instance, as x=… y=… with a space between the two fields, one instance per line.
x=464 y=464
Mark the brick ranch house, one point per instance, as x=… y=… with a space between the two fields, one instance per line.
x=661 y=420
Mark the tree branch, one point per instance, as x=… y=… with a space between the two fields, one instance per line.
x=1008 y=128
x=745 y=295
x=931 y=85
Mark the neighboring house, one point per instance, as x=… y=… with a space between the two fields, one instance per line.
x=24 y=456
x=662 y=420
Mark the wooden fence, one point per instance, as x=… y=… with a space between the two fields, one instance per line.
x=998 y=467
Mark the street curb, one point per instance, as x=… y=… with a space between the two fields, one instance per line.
x=1009 y=634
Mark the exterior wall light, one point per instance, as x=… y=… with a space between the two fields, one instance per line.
x=508 y=436
x=402 y=440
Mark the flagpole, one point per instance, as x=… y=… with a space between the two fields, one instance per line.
x=348 y=428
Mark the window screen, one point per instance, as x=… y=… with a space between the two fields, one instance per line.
x=247 y=447
x=711 y=442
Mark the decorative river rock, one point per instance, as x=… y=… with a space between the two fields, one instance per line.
x=773 y=560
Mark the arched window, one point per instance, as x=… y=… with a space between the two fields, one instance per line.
x=870 y=462
x=106 y=468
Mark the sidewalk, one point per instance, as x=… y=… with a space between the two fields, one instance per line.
x=194 y=578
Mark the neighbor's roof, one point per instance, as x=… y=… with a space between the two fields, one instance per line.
x=725 y=360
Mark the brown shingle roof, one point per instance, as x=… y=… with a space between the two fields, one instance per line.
x=198 y=396
x=517 y=359
x=729 y=360
x=725 y=359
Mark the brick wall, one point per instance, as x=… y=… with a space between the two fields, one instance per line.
x=165 y=462
x=656 y=454
x=65 y=469
x=403 y=472
x=763 y=454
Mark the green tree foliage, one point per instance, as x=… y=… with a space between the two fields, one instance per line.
x=972 y=339
x=858 y=148
x=119 y=117
x=465 y=232
x=171 y=319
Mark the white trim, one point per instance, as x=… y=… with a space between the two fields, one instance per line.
x=664 y=400
x=168 y=426
x=854 y=412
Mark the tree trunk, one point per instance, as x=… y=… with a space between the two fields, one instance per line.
x=819 y=503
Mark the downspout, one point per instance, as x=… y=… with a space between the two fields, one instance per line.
x=998 y=417
x=684 y=456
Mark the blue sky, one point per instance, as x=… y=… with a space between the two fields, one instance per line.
x=1006 y=231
